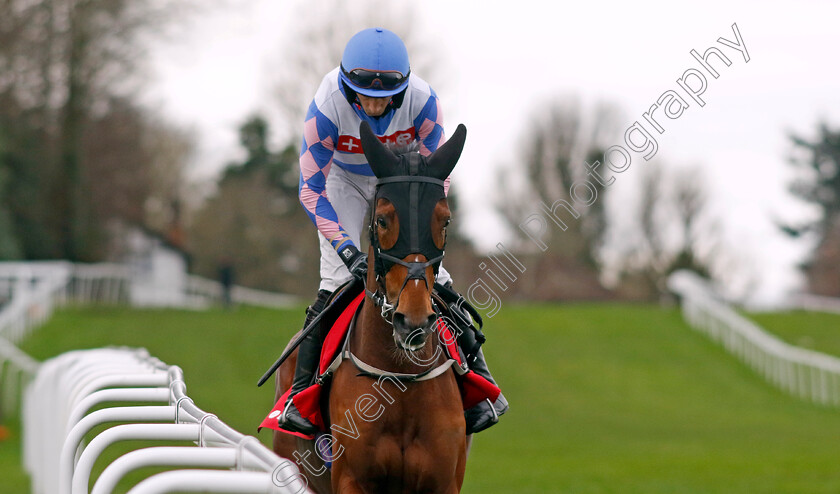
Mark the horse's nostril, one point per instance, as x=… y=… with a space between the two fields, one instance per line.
x=402 y=322
x=399 y=320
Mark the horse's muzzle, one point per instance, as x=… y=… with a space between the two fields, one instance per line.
x=411 y=334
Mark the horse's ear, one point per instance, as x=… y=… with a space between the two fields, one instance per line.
x=382 y=161
x=442 y=161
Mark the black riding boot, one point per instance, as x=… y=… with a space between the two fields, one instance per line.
x=485 y=414
x=307 y=360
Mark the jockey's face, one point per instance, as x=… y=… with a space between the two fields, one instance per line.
x=374 y=107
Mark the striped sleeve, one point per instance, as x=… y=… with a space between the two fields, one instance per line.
x=316 y=155
x=429 y=125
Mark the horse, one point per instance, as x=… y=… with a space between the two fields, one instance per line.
x=394 y=410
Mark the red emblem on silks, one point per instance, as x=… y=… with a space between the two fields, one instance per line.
x=350 y=144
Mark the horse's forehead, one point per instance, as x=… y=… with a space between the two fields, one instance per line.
x=411 y=163
x=417 y=158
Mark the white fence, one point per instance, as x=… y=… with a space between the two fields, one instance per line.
x=58 y=418
x=30 y=291
x=201 y=291
x=816 y=303
x=804 y=373
x=16 y=369
x=28 y=294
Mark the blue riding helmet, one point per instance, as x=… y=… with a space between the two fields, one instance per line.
x=375 y=63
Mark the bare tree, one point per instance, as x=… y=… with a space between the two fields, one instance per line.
x=671 y=229
x=254 y=222
x=560 y=139
x=67 y=66
x=138 y=174
x=9 y=243
x=168 y=149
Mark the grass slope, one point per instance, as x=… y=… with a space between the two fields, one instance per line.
x=814 y=330
x=605 y=398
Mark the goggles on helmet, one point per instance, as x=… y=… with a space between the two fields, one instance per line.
x=385 y=80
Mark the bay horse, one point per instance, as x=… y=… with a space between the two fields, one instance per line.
x=394 y=410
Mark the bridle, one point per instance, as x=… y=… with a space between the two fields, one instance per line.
x=385 y=260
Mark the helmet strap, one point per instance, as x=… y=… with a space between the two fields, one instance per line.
x=397 y=99
x=349 y=93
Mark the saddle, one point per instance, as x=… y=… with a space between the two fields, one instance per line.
x=336 y=326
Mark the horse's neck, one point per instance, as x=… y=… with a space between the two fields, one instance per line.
x=373 y=342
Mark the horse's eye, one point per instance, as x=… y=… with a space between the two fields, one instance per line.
x=446 y=223
x=381 y=223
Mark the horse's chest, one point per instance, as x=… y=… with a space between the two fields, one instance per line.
x=403 y=464
x=412 y=446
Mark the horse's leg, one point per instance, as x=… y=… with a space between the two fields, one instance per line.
x=349 y=485
x=286 y=445
x=317 y=472
x=469 y=444
x=302 y=453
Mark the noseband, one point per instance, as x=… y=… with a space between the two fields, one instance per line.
x=416 y=271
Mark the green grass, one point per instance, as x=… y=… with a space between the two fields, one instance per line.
x=604 y=398
x=814 y=330
x=627 y=399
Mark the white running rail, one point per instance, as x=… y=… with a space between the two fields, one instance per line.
x=816 y=303
x=28 y=294
x=207 y=291
x=16 y=369
x=57 y=419
x=804 y=373
x=30 y=291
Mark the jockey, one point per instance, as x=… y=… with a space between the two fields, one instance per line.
x=373 y=83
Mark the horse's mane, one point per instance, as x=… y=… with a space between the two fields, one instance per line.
x=411 y=147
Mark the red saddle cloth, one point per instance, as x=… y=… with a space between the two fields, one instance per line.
x=474 y=388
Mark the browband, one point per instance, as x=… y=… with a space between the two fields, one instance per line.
x=409 y=178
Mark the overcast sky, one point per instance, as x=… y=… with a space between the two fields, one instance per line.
x=504 y=59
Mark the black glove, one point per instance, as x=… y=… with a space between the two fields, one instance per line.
x=355 y=261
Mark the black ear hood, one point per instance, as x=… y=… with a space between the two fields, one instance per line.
x=413 y=183
x=385 y=163
x=382 y=161
x=443 y=161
